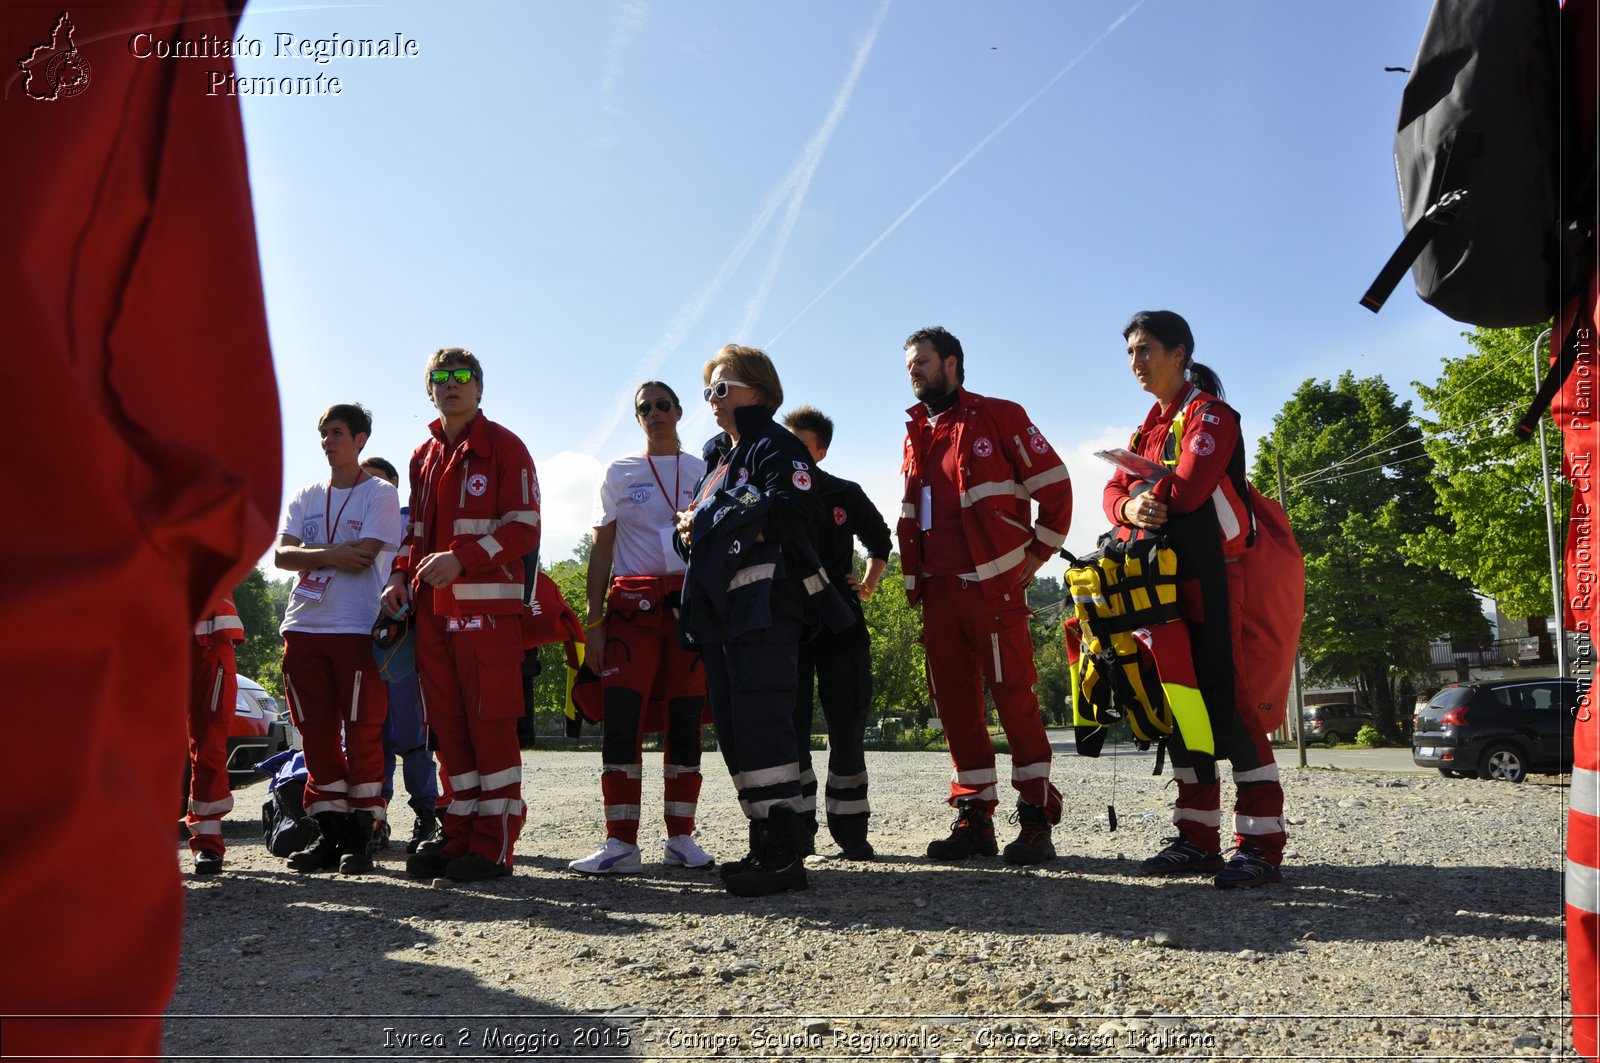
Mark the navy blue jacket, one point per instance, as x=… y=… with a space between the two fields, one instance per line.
x=765 y=486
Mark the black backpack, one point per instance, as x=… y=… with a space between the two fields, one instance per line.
x=1487 y=160
x=1497 y=185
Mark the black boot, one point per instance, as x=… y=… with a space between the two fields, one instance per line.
x=778 y=865
x=808 y=833
x=971 y=835
x=734 y=867
x=323 y=855
x=1033 y=844
x=850 y=832
x=425 y=829
x=360 y=839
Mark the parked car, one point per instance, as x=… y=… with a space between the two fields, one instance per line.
x=1335 y=722
x=1497 y=730
x=261 y=727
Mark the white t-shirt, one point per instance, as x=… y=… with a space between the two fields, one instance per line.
x=348 y=603
x=635 y=497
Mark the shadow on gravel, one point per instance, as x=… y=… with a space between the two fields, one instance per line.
x=280 y=965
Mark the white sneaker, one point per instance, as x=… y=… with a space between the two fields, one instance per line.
x=681 y=851
x=615 y=857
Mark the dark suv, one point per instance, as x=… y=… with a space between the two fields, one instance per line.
x=1336 y=722
x=1497 y=730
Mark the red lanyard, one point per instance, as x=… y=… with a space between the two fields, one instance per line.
x=327 y=506
x=677 y=467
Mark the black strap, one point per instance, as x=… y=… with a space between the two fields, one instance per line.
x=1439 y=215
x=1557 y=376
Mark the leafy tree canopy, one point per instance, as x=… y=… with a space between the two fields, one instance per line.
x=1358 y=486
x=1487 y=483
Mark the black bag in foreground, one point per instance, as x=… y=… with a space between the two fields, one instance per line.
x=1496 y=220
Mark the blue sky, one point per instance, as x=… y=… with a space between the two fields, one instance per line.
x=589 y=194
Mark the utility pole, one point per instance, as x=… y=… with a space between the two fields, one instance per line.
x=1558 y=629
x=1299 y=693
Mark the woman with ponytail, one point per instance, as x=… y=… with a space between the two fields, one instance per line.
x=1202 y=507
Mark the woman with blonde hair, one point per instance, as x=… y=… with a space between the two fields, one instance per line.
x=754 y=582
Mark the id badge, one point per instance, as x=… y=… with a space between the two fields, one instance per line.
x=925 y=508
x=313 y=585
x=463 y=623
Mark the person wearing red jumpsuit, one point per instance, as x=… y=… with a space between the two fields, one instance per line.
x=213 y=689
x=475 y=517
x=133 y=291
x=1575 y=414
x=1201 y=508
x=970 y=546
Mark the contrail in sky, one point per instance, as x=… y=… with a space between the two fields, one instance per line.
x=968 y=157
x=798 y=176
x=808 y=167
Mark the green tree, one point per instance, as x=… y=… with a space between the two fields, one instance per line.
x=1358 y=486
x=260 y=655
x=1488 y=483
x=898 y=681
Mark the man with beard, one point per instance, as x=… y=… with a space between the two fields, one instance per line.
x=970 y=546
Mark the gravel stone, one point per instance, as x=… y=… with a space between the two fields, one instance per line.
x=1401 y=934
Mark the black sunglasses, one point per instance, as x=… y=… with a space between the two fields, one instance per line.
x=444 y=376
x=664 y=405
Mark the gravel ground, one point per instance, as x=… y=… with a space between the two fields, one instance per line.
x=1420 y=918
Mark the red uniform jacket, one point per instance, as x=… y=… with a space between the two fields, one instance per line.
x=478 y=499
x=1198 y=438
x=221 y=626
x=1005 y=463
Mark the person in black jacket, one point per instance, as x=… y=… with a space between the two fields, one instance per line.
x=839 y=664
x=753 y=584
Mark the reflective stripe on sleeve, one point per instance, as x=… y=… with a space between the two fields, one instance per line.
x=973 y=495
x=490 y=544
x=1226 y=517
x=1046 y=478
x=522 y=516
x=1004 y=563
x=475 y=526
x=1049 y=536
x=481 y=592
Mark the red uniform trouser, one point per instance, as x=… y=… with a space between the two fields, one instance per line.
x=1583 y=879
x=339 y=701
x=471 y=671
x=645 y=663
x=151 y=501
x=969 y=641
x=1258 y=803
x=212 y=693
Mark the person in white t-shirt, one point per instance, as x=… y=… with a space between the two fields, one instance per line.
x=331 y=536
x=635 y=580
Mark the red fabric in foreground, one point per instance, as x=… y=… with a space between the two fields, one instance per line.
x=146 y=414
